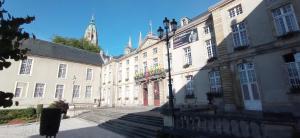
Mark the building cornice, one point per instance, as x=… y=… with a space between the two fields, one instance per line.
x=219 y=5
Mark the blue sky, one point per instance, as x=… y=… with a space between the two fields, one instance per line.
x=116 y=20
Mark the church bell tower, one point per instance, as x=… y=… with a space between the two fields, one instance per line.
x=91 y=34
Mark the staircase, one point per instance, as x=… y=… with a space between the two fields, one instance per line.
x=135 y=125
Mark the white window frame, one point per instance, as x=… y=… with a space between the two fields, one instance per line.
x=235 y=11
x=65 y=73
x=91 y=89
x=127 y=73
x=211 y=48
x=154 y=50
x=136 y=69
x=91 y=74
x=155 y=62
x=43 y=93
x=189 y=85
x=188 y=55
x=208 y=29
x=145 y=66
x=145 y=55
x=215 y=81
x=22 y=89
x=63 y=90
x=73 y=91
x=293 y=70
x=237 y=31
x=31 y=67
x=284 y=19
x=136 y=59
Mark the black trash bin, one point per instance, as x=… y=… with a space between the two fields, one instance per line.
x=50 y=121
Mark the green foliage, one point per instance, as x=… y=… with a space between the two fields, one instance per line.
x=11 y=36
x=25 y=114
x=6 y=99
x=78 y=43
x=39 y=108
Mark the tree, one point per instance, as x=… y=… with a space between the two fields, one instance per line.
x=6 y=99
x=78 y=43
x=11 y=36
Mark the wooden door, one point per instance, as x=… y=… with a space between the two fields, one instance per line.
x=145 y=93
x=156 y=94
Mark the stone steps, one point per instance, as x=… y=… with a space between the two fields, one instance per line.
x=135 y=125
x=153 y=121
x=129 y=129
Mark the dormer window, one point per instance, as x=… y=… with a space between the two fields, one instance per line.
x=184 y=21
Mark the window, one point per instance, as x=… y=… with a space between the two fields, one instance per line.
x=109 y=77
x=126 y=92
x=285 y=19
x=211 y=48
x=127 y=74
x=215 y=81
x=120 y=75
x=39 y=90
x=208 y=29
x=62 y=70
x=136 y=69
x=145 y=66
x=155 y=62
x=145 y=54
x=19 y=88
x=89 y=74
x=127 y=62
x=235 y=11
x=26 y=66
x=88 y=91
x=154 y=51
x=239 y=33
x=189 y=85
x=188 y=56
x=59 y=91
x=76 y=91
x=293 y=68
x=119 y=93
x=136 y=59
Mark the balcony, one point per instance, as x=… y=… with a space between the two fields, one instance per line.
x=152 y=74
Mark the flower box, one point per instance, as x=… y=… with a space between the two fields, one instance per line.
x=288 y=35
x=186 y=66
x=212 y=59
x=240 y=48
x=190 y=96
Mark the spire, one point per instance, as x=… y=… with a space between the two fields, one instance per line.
x=150 y=25
x=140 y=39
x=92 y=19
x=129 y=42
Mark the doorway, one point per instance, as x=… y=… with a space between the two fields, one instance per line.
x=145 y=94
x=156 y=93
x=250 y=91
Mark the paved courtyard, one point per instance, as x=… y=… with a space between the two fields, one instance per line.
x=70 y=128
x=83 y=124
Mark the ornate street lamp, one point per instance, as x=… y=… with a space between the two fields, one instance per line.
x=166 y=38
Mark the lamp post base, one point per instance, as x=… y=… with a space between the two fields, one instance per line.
x=169 y=121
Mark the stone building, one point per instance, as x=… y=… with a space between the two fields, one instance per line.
x=53 y=72
x=244 y=53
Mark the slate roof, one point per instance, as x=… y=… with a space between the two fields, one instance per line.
x=58 y=51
